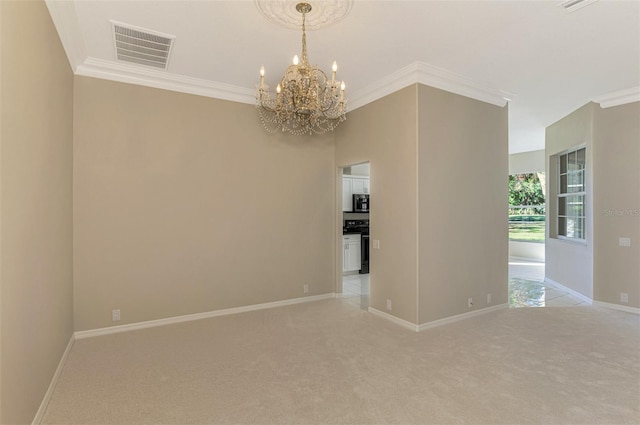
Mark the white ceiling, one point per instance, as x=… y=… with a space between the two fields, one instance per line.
x=547 y=60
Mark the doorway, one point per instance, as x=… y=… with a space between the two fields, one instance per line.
x=355 y=219
x=526 y=239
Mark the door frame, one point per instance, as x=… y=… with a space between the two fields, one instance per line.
x=338 y=228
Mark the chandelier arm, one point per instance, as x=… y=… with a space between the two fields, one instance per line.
x=306 y=101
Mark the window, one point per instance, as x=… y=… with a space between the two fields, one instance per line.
x=571 y=195
x=527 y=207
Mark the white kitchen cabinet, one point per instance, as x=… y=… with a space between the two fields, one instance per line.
x=353 y=185
x=360 y=185
x=352 y=252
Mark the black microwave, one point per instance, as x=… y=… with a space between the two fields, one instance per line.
x=361 y=203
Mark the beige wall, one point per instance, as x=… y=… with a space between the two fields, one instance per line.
x=527 y=162
x=600 y=268
x=566 y=262
x=533 y=251
x=167 y=220
x=36 y=207
x=616 y=165
x=1 y=120
x=428 y=149
x=385 y=134
x=463 y=166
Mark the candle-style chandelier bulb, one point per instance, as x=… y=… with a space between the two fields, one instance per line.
x=306 y=101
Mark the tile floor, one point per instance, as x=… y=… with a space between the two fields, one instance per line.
x=527 y=288
x=355 y=290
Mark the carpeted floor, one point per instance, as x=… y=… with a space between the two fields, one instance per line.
x=329 y=362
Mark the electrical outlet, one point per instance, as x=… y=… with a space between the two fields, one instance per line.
x=488 y=298
x=115 y=315
x=470 y=302
x=624 y=242
x=376 y=244
x=388 y=304
x=624 y=297
x=306 y=289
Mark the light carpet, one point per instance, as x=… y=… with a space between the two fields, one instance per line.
x=328 y=362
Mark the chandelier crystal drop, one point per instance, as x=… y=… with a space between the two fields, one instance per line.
x=306 y=101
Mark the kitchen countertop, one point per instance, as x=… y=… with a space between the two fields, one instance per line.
x=355 y=232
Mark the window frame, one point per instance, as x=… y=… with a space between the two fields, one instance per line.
x=572 y=176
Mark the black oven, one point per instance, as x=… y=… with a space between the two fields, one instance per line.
x=364 y=266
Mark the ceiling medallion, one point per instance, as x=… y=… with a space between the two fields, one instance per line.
x=322 y=14
x=306 y=100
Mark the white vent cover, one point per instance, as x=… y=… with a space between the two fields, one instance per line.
x=573 y=5
x=141 y=46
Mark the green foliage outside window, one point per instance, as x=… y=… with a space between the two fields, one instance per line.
x=526 y=207
x=525 y=189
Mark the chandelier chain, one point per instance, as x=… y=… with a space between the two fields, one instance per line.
x=305 y=59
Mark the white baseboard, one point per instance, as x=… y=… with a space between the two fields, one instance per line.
x=197 y=316
x=527 y=260
x=573 y=292
x=435 y=323
x=625 y=308
x=394 y=319
x=590 y=301
x=54 y=381
x=459 y=317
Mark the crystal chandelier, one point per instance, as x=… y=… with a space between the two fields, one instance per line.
x=306 y=101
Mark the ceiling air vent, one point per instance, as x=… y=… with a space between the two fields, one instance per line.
x=141 y=46
x=573 y=5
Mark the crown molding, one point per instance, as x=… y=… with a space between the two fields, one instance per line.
x=423 y=73
x=124 y=73
x=415 y=73
x=383 y=87
x=65 y=19
x=620 y=97
x=458 y=84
